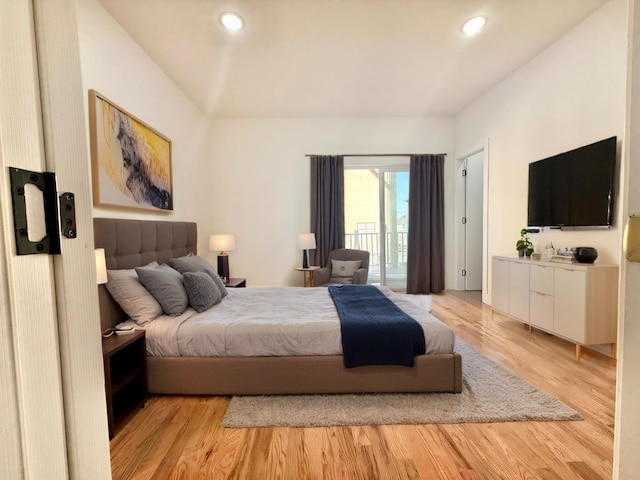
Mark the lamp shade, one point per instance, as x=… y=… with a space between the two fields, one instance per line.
x=222 y=243
x=101 y=267
x=306 y=241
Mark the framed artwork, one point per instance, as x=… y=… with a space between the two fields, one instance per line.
x=131 y=162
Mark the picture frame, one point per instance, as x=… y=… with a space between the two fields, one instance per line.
x=130 y=160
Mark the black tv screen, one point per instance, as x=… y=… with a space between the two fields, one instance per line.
x=575 y=188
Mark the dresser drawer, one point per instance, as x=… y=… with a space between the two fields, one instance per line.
x=541 y=279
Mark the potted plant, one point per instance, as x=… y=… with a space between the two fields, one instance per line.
x=524 y=245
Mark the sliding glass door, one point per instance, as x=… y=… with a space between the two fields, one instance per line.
x=376 y=219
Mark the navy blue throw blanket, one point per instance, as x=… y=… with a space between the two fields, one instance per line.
x=374 y=330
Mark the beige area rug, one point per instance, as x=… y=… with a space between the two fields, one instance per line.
x=490 y=393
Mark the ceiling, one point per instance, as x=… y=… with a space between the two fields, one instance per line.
x=342 y=58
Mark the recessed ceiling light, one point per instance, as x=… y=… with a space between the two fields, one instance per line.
x=473 y=25
x=232 y=21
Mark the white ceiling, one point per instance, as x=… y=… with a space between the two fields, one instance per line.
x=348 y=58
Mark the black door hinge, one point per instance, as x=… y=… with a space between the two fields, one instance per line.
x=46 y=182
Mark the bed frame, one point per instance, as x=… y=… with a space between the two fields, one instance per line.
x=132 y=243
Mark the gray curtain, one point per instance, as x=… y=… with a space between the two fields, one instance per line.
x=327 y=205
x=425 y=249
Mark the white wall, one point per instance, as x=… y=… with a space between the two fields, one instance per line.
x=245 y=177
x=250 y=177
x=570 y=95
x=115 y=66
x=260 y=188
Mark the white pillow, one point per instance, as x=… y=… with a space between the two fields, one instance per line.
x=344 y=268
x=133 y=298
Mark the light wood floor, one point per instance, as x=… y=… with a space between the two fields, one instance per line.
x=181 y=437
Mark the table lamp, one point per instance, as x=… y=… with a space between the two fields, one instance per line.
x=223 y=244
x=101 y=267
x=306 y=241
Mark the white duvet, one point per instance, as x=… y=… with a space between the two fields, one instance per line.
x=274 y=321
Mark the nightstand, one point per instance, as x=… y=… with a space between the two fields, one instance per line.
x=125 y=375
x=236 y=283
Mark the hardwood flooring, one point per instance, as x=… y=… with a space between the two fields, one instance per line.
x=181 y=437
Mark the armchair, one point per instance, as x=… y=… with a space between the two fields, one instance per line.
x=343 y=266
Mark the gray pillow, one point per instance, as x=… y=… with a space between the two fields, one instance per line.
x=133 y=298
x=202 y=292
x=165 y=284
x=344 y=268
x=194 y=263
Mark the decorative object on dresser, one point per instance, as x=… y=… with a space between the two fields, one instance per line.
x=563 y=257
x=223 y=244
x=524 y=245
x=577 y=302
x=125 y=373
x=131 y=162
x=306 y=241
x=585 y=254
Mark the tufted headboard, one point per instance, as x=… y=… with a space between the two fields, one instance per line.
x=134 y=243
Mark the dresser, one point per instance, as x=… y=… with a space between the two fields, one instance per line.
x=578 y=301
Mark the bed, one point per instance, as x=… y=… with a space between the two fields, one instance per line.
x=134 y=243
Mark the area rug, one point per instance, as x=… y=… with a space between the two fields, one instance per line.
x=490 y=393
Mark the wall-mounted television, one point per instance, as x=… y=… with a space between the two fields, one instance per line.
x=575 y=188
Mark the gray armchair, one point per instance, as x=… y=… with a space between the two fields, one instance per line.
x=346 y=271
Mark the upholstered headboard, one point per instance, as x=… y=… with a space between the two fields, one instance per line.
x=133 y=243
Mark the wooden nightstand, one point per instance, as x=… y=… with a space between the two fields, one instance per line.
x=125 y=375
x=236 y=283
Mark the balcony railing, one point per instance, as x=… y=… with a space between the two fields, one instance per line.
x=395 y=246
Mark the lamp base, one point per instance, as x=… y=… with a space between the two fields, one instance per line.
x=223 y=267
x=305 y=259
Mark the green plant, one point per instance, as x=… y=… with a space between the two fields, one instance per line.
x=524 y=245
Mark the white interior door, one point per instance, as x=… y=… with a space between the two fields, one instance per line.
x=31 y=408
x=52 y=401
x=473 y=234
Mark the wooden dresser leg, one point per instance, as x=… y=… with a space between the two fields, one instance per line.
x=614 y=351
x=578 y=351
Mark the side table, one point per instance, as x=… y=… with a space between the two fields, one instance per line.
x=125 y=375
x=308 y=274
x=236 y=283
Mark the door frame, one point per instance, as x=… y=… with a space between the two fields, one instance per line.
x=458 y=233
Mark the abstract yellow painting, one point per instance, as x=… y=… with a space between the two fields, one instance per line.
x=131 y=162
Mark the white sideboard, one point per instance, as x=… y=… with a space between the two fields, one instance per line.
x=578 y=302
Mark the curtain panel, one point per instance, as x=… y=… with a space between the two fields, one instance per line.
x=327 y=205
x=425 y=249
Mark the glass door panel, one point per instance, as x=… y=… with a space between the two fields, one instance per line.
x=362 y=216
x=376 y=201
x=396 y=223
